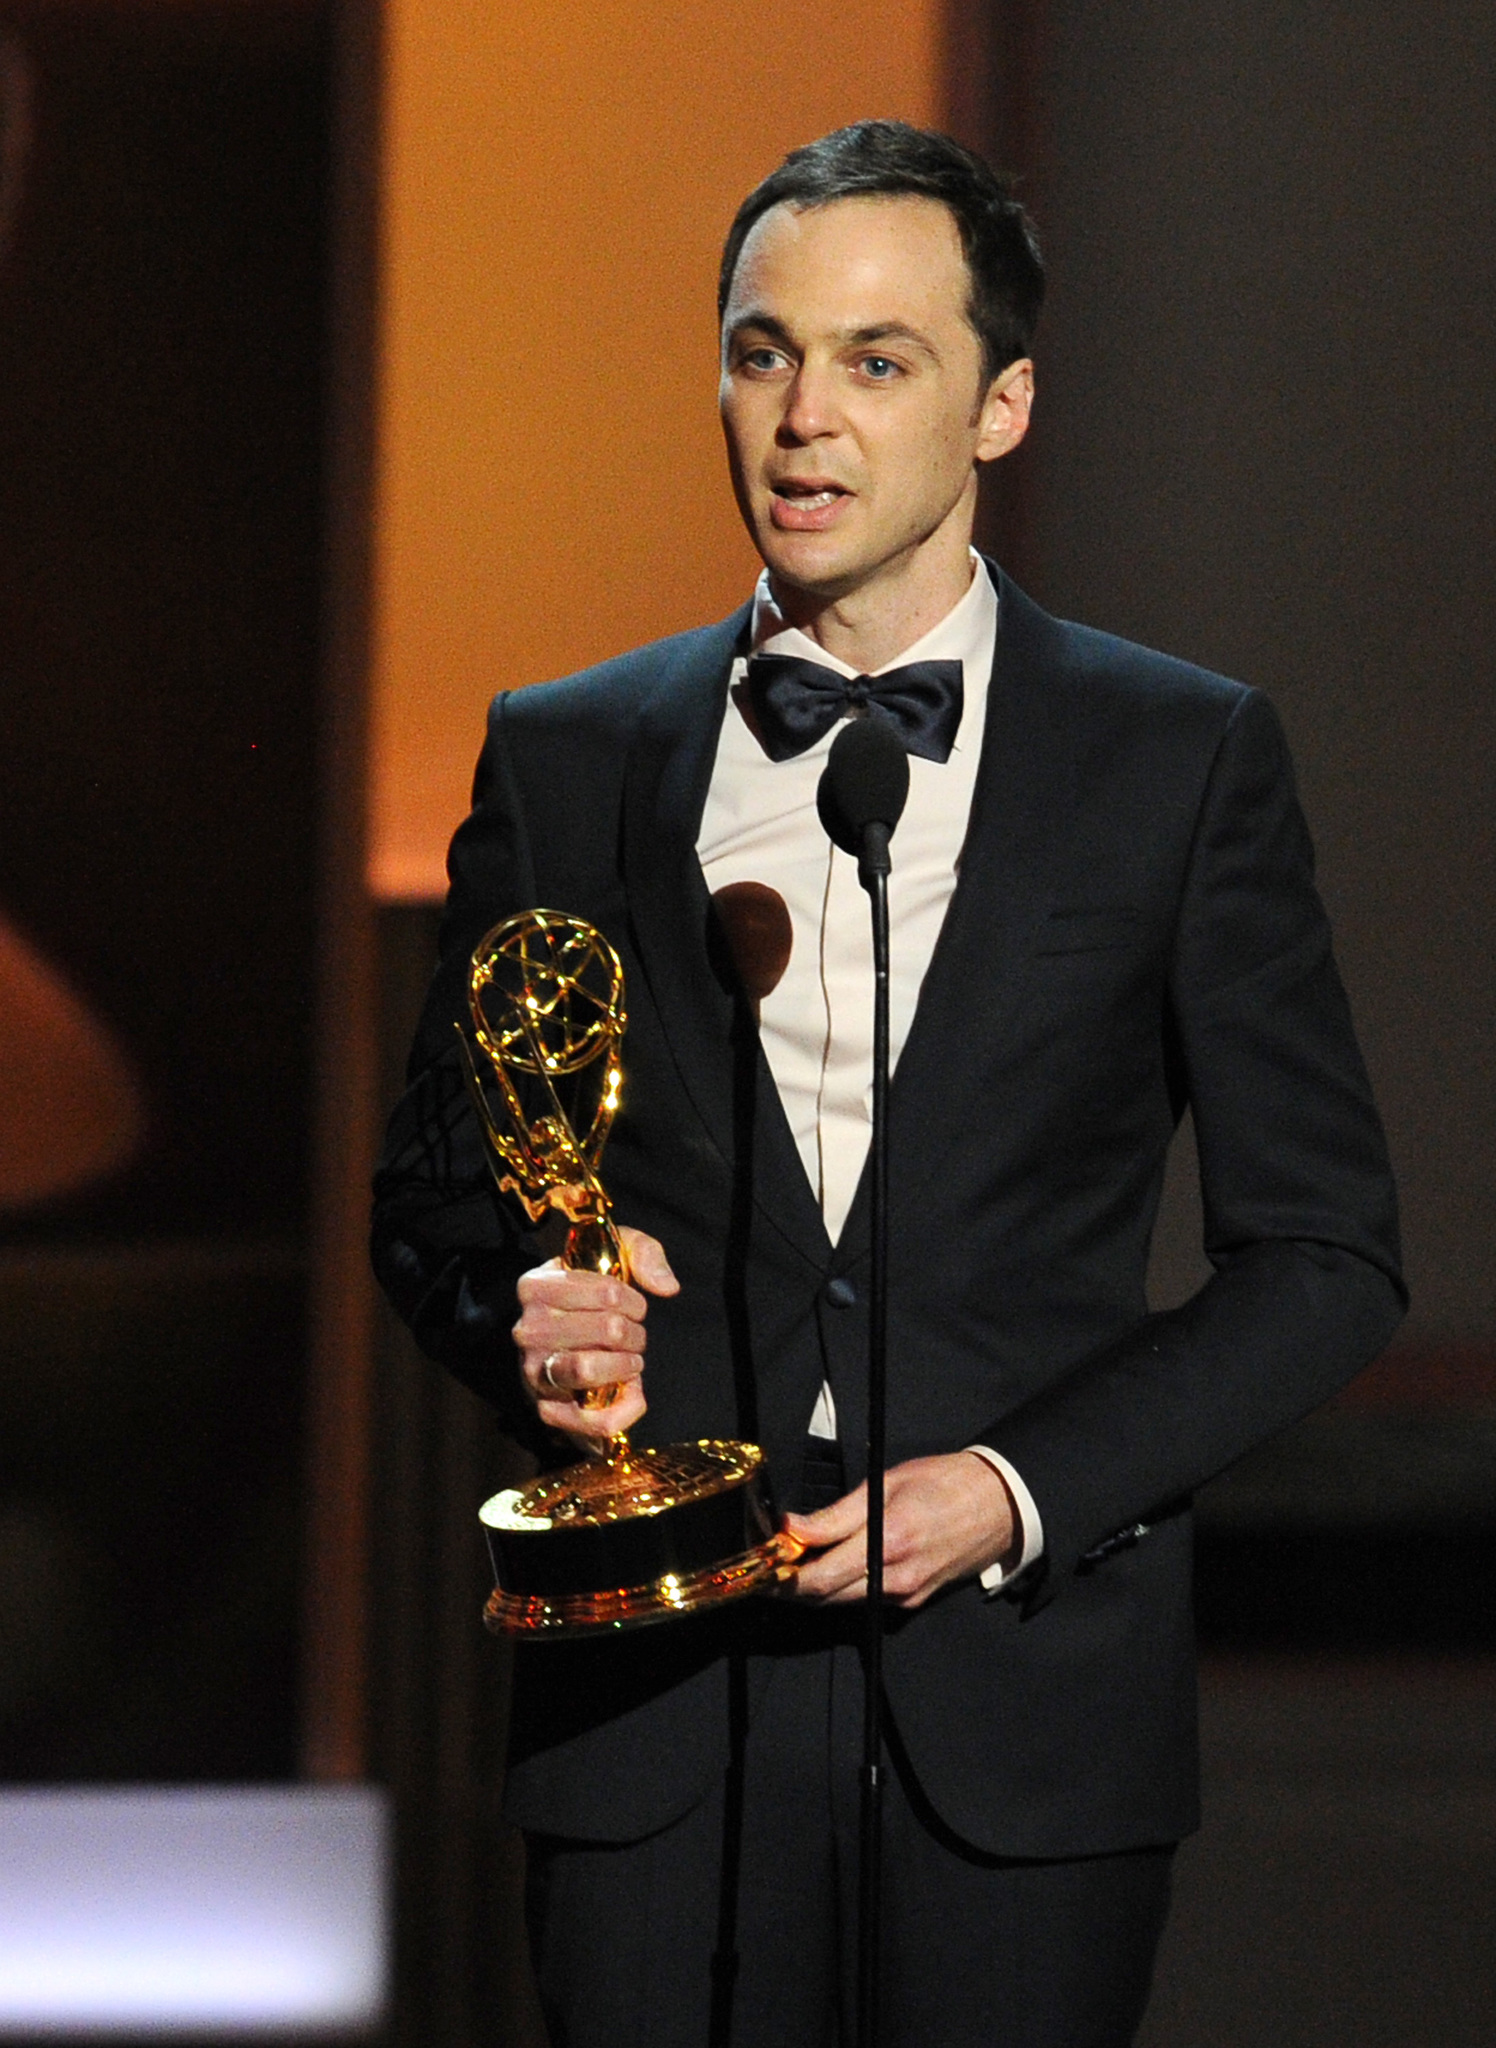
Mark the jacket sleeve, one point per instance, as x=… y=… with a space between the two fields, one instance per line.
x=1299 y=1206
x=445 y=1248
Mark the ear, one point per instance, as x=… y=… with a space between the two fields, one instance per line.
x=1003 y=418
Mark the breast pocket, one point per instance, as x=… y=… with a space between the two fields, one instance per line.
x=1090 y=928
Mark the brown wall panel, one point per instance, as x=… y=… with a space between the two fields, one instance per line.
x=557 y=183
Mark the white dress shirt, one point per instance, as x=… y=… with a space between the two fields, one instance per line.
x=760 y=825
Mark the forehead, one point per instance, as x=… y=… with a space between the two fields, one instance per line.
x=853 y=263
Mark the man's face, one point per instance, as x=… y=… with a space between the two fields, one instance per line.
x=853 y=397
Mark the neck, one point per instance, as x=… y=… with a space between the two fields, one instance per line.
x=871 y=626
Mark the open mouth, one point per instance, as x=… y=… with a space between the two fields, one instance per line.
x=809 y=494
x=805 y=504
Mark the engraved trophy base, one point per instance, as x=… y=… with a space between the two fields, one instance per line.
x=639 y=1536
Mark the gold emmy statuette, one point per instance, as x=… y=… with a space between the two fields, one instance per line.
x=633 y=1536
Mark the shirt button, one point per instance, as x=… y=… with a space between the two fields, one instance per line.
x=841 y=1293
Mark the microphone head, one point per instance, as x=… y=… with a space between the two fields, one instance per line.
x=865 y=781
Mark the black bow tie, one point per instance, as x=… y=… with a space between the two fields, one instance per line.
x=796 y=701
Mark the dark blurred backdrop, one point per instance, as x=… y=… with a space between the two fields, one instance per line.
x=1265 y=441
x=162 y=308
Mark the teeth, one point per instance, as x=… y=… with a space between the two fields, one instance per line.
x=815 y=498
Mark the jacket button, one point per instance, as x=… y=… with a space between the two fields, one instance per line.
x=841 y=1293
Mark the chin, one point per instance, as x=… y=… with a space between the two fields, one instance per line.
x=819 y=572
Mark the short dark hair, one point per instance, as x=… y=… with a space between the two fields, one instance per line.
x=891 y=157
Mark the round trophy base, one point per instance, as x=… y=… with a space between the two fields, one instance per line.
x=522 y=1614
x=632 y=1538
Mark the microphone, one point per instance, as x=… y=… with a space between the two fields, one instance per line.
x=863 y=789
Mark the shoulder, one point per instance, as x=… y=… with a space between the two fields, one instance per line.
x=1140 y=727
x=607 y=700
x=1101 y=675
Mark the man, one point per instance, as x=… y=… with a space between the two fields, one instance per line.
x=1102 y=909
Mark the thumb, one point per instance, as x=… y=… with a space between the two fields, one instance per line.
x=833 y=1524
x=648 y=1266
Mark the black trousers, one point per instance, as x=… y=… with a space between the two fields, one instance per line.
x=735 y=1927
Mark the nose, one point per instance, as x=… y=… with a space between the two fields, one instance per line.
x=810 y=411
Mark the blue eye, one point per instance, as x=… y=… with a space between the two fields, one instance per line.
x=880 y=367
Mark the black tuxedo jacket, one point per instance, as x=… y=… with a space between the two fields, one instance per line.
x=1134 y=928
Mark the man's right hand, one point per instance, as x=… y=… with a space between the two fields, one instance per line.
x=578 y=1330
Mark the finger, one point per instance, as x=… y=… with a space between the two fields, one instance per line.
x=559 y=1375
x=591 y=1429
x=564 y=1287
x=843 y=1518
x=910 y=1585
x=849 y=1596
x=838 y=1574
x=547 y=1329
x=647 y=1262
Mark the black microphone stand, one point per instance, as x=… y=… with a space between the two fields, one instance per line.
x=861 y=799
x=872 y=871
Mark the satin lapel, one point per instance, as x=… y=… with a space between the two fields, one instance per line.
x=1021 y=805
x=702 y=1013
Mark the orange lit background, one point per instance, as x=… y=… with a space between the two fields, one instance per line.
x=557 y=183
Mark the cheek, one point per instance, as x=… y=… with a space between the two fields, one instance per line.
x=949 y=452
x=748 y=435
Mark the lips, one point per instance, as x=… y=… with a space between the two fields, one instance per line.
x=806 y=504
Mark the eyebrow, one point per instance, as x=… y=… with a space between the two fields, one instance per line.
x=892 y=330
x=852 y=337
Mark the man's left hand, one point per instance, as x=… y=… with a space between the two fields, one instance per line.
x=944 y=1519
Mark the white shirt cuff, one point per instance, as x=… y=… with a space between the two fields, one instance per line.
x=1031 y=1528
